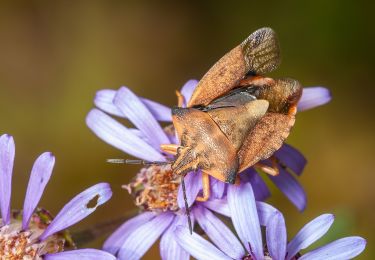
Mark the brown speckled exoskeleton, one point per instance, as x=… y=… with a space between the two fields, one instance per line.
x=236 y=117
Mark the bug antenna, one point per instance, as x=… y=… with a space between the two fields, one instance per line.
x=136 y=161
x=186 y=204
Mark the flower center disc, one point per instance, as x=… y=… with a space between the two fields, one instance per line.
x=155 y=188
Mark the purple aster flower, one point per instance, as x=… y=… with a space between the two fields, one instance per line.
x=144 y=141
x=34 y=233
x=247 y=217
x=155 y=189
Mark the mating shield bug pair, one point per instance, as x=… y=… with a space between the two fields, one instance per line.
x=236 y=117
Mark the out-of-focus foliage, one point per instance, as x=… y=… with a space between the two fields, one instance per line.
x=55 y=55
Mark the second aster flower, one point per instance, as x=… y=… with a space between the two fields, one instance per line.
x=34 y=233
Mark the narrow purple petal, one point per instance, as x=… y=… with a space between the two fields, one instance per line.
x=159 y=111
x=245 y=217
x=116 y=240
x=7 y=151
x=104 y=101
x=40 y=175
x=219 y=233
x=265 y=212
x=217 y=188
x=313 y=97
x=276 y=236
x=78 y=208
x=136 y=245
x=291 y=188
x=117 y=135
x=169 y=248
x=82 y=254
x=193 y=184
x=197 y=246
x=188 y=89
x=292 y=158
x=260 y=188
x=218 y=205
x=311 y=232
x=344 y=248
x=131 y=106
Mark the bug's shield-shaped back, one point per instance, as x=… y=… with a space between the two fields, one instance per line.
x=211 y=140
x=258 y=54
x=203 y=146
x=237 y=122
x=265 y=138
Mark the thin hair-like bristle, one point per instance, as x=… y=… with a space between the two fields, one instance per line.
x=186 y=205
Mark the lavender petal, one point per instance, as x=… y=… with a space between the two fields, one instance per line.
x=159 y=111
x=311 y=232
x=265 y=212
x=40 y=175
x=217 y=188
x=188 y=89
x=7 y=152
x=276 y=236
x=219 y=233
x=131 y=106
x=193 y=184
x=82 y=254
x=197 y=246
x=116 y=240
x=117 y=135
x=245 y=217
x=169 y=248
x=78 y=208
x=104 y=101
x=261 y=191
x=136 y=245
x=291 y=188
x=313 y=97
x=218 y=205
x=344 y=248
x=292 y=158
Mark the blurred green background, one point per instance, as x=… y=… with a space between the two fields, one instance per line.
x=55 y=55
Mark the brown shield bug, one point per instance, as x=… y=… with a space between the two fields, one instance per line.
x=236 y=117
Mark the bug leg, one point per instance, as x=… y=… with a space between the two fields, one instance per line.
x=169 y=148
x=180 y=99
x=206 y=188
x=271 y=170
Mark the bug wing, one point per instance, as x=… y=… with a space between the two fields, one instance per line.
x=267 y=136
x=258 y=54
x=203 y=146
x=237 y=122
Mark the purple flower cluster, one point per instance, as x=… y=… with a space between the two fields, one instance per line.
x=36 y=237
x=144 y=141
x=136 y=236
x=247 y=217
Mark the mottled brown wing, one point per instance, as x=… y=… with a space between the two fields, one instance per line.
x=266 y=137
x=237 y=122
x=203 y=146
x=258 y=54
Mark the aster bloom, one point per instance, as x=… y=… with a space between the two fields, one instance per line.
x=247 y=217
x=34 y=233
x=144 y=141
